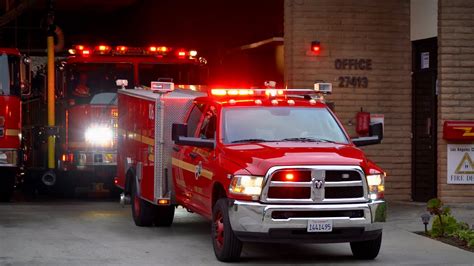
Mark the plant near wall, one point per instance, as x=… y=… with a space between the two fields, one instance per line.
x=445 y=225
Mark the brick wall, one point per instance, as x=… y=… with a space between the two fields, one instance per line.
x=354 y=29
x=456 y=80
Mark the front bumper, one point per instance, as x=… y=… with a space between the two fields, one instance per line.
x=256 y=222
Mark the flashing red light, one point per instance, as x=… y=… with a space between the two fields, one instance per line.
x=64 y=157
x=152 y=49
x=80 y=47
x=115 y=181
x=163 y=49
x=289 y=177
x=181 y=54
x=121 y=49
x=316 y=47
x=231 y=92
x=86 y=52
x=102 y=48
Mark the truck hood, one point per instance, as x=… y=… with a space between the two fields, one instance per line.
x=257 y=158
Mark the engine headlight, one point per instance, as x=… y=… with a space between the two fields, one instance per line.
x=376 y=185
x=247 y=186
x=99 y=135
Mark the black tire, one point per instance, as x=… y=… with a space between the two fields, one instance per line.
x=366 y=250
x=143 y=212
x=227 y=247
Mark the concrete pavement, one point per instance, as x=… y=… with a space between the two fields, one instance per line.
x=93 y=233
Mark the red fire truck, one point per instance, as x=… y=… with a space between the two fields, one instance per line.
x=14 y=79
x=86 y=110
x=264 y=165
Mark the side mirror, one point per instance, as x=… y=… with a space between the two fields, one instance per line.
x=375 y=136
x=179 y=136
x=178 y=130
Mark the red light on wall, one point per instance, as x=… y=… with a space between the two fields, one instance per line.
x=316 y=47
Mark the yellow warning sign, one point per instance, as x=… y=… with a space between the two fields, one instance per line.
x=465 y=166
x=460 y=164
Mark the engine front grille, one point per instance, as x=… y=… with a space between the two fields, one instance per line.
x=315 y=184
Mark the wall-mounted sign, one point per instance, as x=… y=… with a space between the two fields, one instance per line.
x=353 y=64
x=460 y=164
x=425 y=60
x=458 y=130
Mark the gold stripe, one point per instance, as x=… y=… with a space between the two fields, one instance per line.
x=191 y=168
x=12 y=132
x=137 y=137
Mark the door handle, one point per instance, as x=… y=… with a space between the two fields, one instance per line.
x=193 y=155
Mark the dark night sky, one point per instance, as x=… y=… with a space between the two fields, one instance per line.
x=201 y=24
x=213 y=27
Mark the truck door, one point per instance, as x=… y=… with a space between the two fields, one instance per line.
x=184 y=168
x=205 y=160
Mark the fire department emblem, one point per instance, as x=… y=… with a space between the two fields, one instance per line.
x=198 y=170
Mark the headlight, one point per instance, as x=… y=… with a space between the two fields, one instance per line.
x=245 y=185
x=99 y=135
x=376 y=185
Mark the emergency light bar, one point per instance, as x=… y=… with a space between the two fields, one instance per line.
x=126 y=50
x=319 y=88
x=161 y=87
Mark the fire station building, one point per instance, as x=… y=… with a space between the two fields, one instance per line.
x=409 y=64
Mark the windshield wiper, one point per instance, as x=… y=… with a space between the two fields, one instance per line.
x=251 y=140
x=308 y=140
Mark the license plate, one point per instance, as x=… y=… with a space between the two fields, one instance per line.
x=319 y=226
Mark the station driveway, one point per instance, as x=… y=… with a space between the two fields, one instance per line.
x=103 y=233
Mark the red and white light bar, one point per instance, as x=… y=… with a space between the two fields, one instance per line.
x=319 y=88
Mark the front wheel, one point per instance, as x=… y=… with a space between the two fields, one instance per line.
x=367 y=250
x=227 y=247
x=142 y=211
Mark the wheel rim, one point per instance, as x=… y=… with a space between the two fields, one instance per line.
x=219 y=230
x=136 y=205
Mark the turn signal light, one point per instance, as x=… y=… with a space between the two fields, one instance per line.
x=163 y=202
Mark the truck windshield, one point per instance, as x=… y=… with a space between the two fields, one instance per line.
x=9 y=75
x=84 y=80
x=185 y=74
x=260 y=124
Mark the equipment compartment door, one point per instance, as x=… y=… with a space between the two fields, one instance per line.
x=424 y=121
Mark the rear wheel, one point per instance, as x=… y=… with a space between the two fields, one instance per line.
x=227 y=247
x=164 y=215
x=142 y=211
x=367 y=250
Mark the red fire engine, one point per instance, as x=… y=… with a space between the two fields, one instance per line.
x=265 y=165
x=86 y=110
x=14 y=80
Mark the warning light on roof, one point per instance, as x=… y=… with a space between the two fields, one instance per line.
x=316 y=47
x=121 y=49
x=181 y=54
x=193 y=53
x=102 y=49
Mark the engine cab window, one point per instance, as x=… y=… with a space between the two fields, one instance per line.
x=194 y=119
x=183 y=74
x=208 y=126
x=9 y=75
x=85 y=80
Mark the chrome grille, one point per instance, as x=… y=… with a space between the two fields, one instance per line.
x=315 y=184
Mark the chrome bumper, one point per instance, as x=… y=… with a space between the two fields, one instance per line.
x=254 y=220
